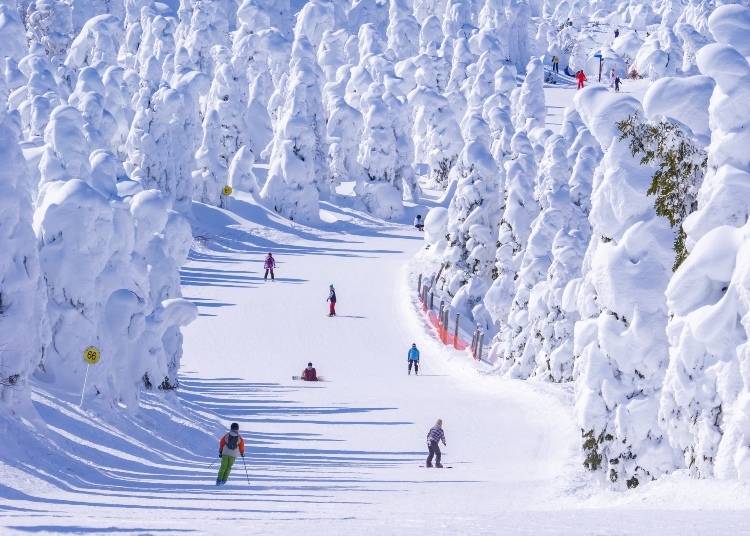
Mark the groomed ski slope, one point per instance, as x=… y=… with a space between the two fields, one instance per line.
x=339 y=457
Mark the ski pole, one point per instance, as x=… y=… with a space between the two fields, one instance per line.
x=246 y=475
x=212 y=464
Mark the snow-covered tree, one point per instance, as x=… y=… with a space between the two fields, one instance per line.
x=436 y=133
x=299 y=156
x=380 y=186
x=160 y=148
x=473 y=217
x=519 y=211
x=403 y=30
x=622 y=346
x=49 y=23
x=241 y=176
x=705 y=399
x=211 y=176
x=22 y=321
x=530 y=111
x=97 y=44
x=344 y=131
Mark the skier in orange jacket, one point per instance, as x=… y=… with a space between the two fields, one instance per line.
x=230 y=445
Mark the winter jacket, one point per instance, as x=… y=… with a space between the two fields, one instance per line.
x=418 y=222
x=413 y=354
x=435 y=435
x=310 y=375
x=581 y=77
x=270 y=263
x=332 y=296
x=224 y=450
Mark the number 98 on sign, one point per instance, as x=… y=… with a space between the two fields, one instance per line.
x=91 y=355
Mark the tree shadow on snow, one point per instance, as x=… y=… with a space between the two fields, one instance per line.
x=168 y=451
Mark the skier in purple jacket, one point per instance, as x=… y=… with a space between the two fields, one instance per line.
x=269 y=265
x=434 y=437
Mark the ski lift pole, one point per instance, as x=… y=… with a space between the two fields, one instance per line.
x=91 y=356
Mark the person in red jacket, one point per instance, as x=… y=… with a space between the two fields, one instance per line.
x=309 y=374
x=581 y=77
x=230 y=445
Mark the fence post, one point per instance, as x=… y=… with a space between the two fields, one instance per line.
x=474 y=344
x=481 y=342
x=455 y=332
x=440 y=320
x=432 y=299
x=419 y=284
x=446 y=324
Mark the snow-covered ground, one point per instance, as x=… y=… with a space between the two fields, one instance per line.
x=339 y=457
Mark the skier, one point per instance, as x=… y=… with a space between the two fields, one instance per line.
x=617 y=33
x=617 y=84
x=413 y=358
x=418 y=223
x=309 y=374
x=331 y=301
x=581 y=77
x=230 y=445
x=269 y=265
x=555 y=64
x=434 y=436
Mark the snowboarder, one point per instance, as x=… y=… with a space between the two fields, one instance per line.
x=418 y=223
x=309 y=374
x=269 y=265
x=617 y=33
x=555 y=64
x=331 y=301
x=581 y=77
x=434 y=436
x=230 y=445
x=413 y=358
x=617 y=84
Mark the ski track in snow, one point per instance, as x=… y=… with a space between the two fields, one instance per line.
x=340 y=457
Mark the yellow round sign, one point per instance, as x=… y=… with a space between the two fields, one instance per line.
x=91 y=355
x=227 y=190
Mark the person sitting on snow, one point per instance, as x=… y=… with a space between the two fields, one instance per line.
x=230 y=445
x=309 y=374
x=418 y=223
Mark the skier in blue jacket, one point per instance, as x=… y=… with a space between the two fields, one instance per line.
x=413 y=358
